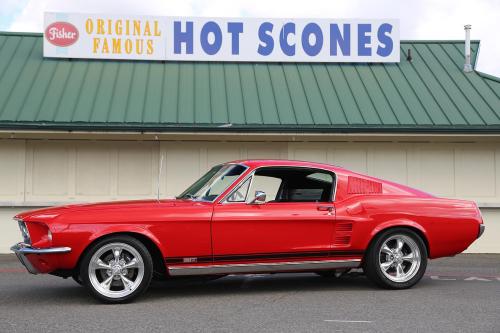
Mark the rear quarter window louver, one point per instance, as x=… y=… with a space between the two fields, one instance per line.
x=357 y=185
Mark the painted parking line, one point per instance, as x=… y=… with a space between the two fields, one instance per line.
x=347 y=321
x=464 y=278
x=12 y=270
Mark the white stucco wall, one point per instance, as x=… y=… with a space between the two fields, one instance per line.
x=45 y=172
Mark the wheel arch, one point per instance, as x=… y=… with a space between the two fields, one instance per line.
x=406 y=224
x=151 y=245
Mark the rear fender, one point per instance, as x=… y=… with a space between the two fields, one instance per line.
x=401 y=223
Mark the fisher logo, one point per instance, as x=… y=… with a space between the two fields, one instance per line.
x=61 y=34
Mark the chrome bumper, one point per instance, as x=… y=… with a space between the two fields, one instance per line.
x=22 y=249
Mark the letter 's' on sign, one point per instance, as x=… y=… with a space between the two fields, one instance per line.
x=131 y=37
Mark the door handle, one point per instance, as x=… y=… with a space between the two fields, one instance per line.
x=328 y=209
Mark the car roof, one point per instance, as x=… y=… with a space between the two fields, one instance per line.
x=253 y=163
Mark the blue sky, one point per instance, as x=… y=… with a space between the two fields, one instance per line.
x=419 y=19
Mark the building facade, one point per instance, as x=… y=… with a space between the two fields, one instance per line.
x=93 y=130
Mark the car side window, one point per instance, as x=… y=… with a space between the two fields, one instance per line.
x=270 y=185
x=287 y=184
x=308 y=185
x=241 y=193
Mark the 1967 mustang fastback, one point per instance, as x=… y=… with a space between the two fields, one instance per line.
x=251 y=216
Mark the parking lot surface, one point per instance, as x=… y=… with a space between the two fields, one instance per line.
x=460 y=294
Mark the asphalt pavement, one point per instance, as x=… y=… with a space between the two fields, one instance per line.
x=460 y=294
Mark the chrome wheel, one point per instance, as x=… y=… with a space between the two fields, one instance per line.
x=399 y=258
x=116 y=270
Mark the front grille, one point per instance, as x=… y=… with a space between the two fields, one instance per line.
x=24 y=232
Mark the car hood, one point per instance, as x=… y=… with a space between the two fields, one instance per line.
x=47 y=214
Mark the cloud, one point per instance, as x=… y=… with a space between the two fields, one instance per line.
x=9 y=10
x=423 y=19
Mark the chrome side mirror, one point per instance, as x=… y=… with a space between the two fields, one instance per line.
x=259 y=199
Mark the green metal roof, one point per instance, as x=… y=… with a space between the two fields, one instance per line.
x=429 y=94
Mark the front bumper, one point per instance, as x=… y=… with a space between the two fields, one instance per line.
x=22 y=251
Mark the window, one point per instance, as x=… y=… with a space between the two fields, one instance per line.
x=267 y=184
x=307 y=185
x=287 y=184
x=321 y=176
x=240 y=194
x=213 y=183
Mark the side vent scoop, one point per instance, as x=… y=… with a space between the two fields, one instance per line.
x=343 y=232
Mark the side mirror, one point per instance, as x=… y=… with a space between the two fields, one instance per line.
x=259 y=199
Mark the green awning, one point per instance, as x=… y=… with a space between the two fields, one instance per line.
x=429 y=94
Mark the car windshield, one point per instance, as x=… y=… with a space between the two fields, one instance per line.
x=213 y=183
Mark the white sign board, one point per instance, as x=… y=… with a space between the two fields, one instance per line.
x=108 y=36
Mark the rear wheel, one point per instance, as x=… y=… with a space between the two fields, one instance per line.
x=397 y=259
x=117 y=269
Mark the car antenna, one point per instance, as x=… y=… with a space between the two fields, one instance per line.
x=159 y=177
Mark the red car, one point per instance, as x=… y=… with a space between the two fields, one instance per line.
x=251 y=216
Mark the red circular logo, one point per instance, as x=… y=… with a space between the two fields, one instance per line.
x=61 y=34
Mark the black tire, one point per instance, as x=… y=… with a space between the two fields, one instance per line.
x=372 y=261
x=76 y=277
x=122 y=239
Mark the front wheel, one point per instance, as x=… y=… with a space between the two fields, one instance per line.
x=117 y=269
x=396 y=259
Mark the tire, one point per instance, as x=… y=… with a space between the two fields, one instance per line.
x=76 y=277
x=396 y=259
x=117 y=269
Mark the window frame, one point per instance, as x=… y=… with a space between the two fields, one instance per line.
x=237 y=188
x=251 y=174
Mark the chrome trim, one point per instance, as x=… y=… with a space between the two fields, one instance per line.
x=22 y=249
x=28 y=249
x=262 y=267
x=251 y=174
x=481 y=230
x=24 y=231
x=259 y=199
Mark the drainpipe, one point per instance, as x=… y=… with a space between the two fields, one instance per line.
x=467 y=65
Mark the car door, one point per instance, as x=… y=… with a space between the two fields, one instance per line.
x=275 y=229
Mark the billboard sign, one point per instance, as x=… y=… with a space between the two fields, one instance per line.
x=131 y=37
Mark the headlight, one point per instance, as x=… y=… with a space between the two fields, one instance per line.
x=24 y=232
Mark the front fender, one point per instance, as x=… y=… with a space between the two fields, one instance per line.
x=80 y=236
x=116 y=229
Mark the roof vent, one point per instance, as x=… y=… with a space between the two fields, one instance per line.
x=467 y=65
x=408 y=56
